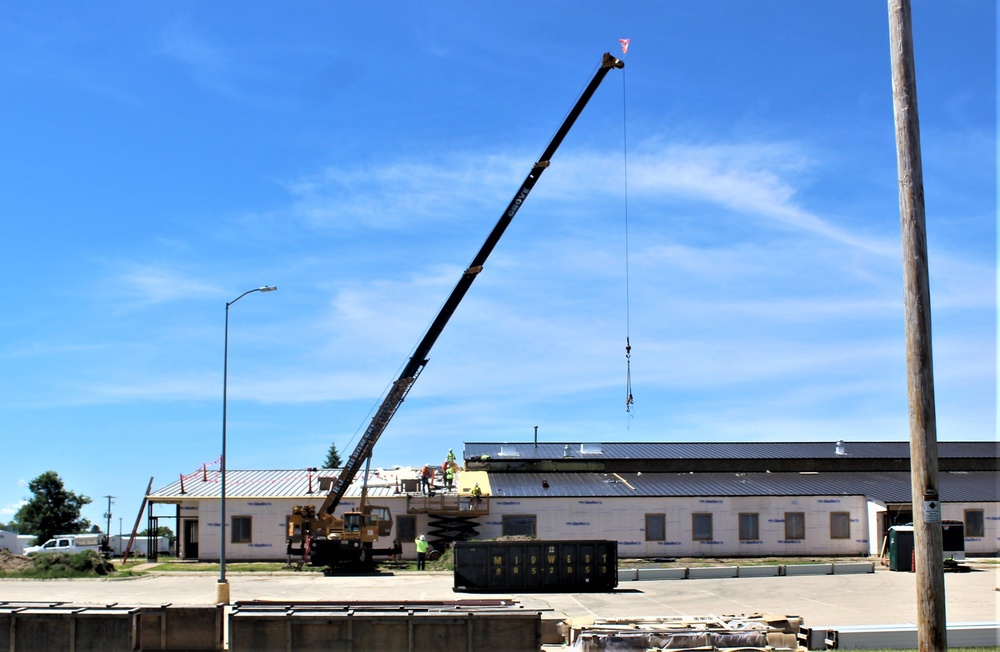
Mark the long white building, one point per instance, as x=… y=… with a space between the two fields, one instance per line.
x=657 y=500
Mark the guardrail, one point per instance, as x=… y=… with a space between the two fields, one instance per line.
x=717 y=572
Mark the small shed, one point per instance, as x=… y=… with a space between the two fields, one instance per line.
x=12 y=542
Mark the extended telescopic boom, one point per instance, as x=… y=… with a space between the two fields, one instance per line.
x=418 y=360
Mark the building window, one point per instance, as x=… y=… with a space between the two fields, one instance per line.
x=656 y=527
x=749 y=527
x=840 y=525
x=406 y=528
x=974 y=524
x=519 y=526
x=795 y=525
x=701 y=527
x=241 y=529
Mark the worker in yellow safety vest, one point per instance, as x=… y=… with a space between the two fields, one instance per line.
x=422 y=547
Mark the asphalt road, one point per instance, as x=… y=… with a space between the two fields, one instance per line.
x=880 y=598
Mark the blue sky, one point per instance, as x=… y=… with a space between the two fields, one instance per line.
x=161 y=158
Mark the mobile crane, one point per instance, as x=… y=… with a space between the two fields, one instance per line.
x=316 y=535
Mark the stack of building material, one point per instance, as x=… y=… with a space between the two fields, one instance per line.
x=702 y=633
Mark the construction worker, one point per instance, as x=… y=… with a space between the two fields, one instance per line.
x=422 y=548
x=477 y=496
x=449 y=477
x=451 y=457
x=426 y=479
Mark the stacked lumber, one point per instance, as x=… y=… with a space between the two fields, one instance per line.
x=729 y=633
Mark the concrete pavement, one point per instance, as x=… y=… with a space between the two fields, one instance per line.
x=878 y=598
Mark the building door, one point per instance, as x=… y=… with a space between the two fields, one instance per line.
x=895 y=514
x=190 y=539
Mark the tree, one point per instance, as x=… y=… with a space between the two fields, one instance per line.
x=52 y=509
x=332 y=458
x=161 y=531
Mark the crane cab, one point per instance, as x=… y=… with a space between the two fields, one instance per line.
x=368 y=524
x=333 y=541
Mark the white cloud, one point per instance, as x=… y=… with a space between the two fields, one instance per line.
x=394 y=195
x=205 y=61
x=10 y=509
x=800 y=301
x=144 y=284
x=756 y=179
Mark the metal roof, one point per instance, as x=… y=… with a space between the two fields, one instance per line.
x=528 y=451
x=287 y=483
x=888 y=487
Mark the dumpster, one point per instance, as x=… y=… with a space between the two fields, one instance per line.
x=536 y=566
x=901 y=548
x=901 y=544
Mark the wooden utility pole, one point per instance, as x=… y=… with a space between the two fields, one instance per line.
x=928 y=546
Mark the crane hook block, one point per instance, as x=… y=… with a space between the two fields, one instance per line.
x=472 y=271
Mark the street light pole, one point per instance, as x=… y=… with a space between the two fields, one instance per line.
x=222 y=589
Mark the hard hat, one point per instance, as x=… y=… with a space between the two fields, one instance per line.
x=421 y=537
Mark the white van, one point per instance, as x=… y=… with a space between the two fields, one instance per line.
x=69 y=543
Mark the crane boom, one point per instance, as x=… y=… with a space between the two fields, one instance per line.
x=401 y=386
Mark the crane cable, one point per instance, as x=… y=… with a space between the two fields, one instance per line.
x=628 y=343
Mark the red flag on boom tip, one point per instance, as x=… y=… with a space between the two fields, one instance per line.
x=624 y=42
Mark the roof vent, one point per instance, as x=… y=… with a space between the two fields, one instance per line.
x=566 y=452
x=840 y=447
x=591 y=449
x=509 y=451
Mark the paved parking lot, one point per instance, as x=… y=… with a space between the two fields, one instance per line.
x=878 y=598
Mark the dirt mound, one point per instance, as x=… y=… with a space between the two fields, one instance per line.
x=11 y=563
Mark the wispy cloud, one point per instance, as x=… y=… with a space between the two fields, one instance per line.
x=175 y=387
x=394 y=195
x=961 y=283
x=760 y=180
x=144 y=284
x=10 y=509
x=207 y=62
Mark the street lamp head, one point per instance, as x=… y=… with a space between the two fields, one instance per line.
x=265 y=288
